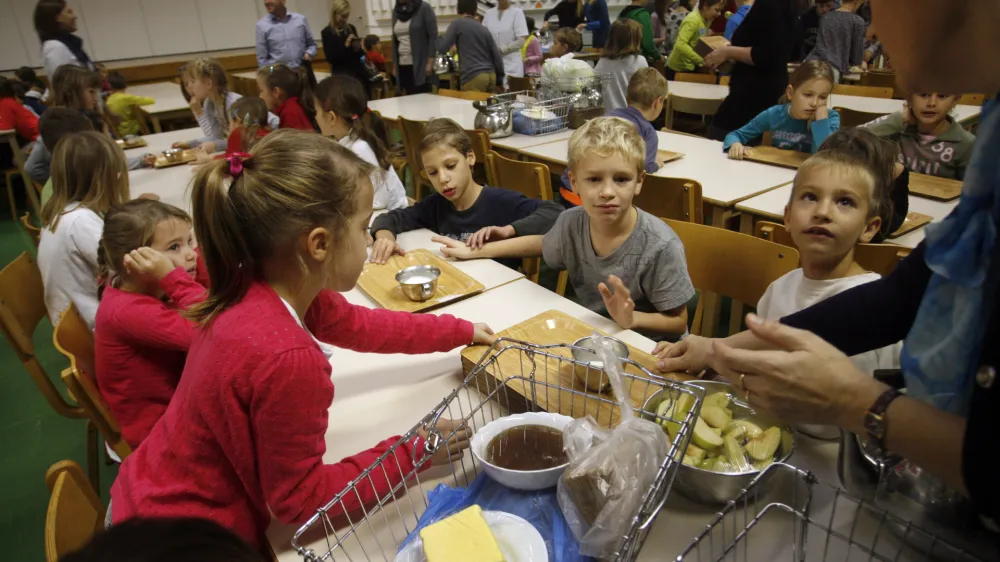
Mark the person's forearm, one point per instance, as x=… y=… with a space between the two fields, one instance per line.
x=520 y=247
x=660 y=322
x=740 y=54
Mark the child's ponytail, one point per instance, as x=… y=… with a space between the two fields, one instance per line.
x=294 y=84
x=345 y=96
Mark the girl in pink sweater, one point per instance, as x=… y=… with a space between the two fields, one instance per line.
x=243 y=437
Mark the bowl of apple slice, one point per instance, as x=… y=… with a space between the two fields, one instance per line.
x=731 y=443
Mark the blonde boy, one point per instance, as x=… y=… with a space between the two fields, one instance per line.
x=623 y=262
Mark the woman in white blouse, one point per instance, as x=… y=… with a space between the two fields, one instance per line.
x=509 y=30
x=55 y=22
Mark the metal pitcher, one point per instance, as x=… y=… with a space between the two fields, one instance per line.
x=495 y=117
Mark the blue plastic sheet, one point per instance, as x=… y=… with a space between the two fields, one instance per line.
x=540 y=508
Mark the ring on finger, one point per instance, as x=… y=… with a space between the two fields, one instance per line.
x=747 y=397
x=743 y=377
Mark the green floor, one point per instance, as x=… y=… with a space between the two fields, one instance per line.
x=33 y=437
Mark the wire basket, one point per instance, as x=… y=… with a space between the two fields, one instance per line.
x=812 y=521
x=356 y=525
x=534 y=114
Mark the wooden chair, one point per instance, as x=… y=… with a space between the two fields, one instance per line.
x=724 y=80
x=854 y=118
x=695 y=77
x=33 y=231
x=74 y=339
x=972 y=99
x=731 y=264
x=520 y=83
x=879 y=258
x=876 y=79
x=694 y=106
x=413 y=132
x=864 y=91
x=140 y=117
x=75 y=510
x=472 y=96
x=671 y=198
x=481 y=147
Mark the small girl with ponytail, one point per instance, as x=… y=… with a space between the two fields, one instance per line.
x=342 y=113
x=286 y=93
x=247 y=125
x=148 y=265
x=244 y=436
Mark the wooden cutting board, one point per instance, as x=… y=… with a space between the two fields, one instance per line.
x=932 y=187
x=186 y=156
x=914 y=220
x=378 y=281
x=555 y=327
x=669 y=155
x=132 y=143
x=777 y=156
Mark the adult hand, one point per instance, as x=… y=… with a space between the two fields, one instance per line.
x=619 y=303
x=545 y=26
x=487 y=233
x=716 y=58
x=457 y=436
x=689 y=355
x=305 y=56
x=350 y=38
x=483 y=334
x=454 y=249
x=804 y=379
x=148 y=263
x=738 y=152
x=384 y=247
x=430 y=66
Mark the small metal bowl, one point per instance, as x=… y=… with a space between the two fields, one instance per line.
x=592 y=374
x=418 y=282
x=172 y=155
x=715 y=488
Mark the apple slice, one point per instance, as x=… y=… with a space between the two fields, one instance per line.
x=735 y=454
x=764 y=446
x=704 y=437
x=743 y=430
x=714 y=416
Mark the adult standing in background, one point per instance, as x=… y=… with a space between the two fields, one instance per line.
x=762 y=46
x=55 y=22
x=569 y=12
x=341 y=44
x=598 y=22
x=284 y=37
x=509 y=29
x=809 y=25
x=414 y=43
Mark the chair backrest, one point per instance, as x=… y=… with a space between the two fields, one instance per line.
x=731 y=264
x=696 y=106
x=22 y=307
x=140 y=117
x=74 y=339
x=864 y=91
x=481 y=147
x=724 y=80
x=33 y=231
x=75 y=510
x=520 y=83
x=696 y=77
x=879 y=79
x=413 y=133
x=473 y=96
x=853 y=118
x=878 y=258
x=529 y=178
x=972 y=99
x=671 y=198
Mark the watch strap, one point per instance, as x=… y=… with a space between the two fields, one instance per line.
x=875 y=423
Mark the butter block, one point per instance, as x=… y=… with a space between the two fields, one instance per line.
x=463 y=537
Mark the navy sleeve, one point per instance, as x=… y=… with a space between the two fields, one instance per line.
x=652 y=144
x=422 y=215
x=540 y=221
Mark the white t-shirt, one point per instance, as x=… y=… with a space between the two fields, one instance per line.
x=326 y=348
x=402 y=32
x=389 y=191
x=67 y=259
x=793 y=292
x=509 y=30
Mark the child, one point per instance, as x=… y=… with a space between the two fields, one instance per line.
x=287 y=94
x=80 y=89
x=158 y=540
x=841 y=38
x=734 y=21
x=247 y=124
x=89 y=176
x=637 y=12
x=372 y=52
x=461 y=207
x=343 y=114
x=683 y=57
x=929 y=140
x=809 y=25
x=482 y=63
x=801 y=123
x=565 y=41
x=243 y=437
x=147 y=264
x=620 y=60
x=14 y=115
x=34 y=90
x=121 y=104
x=623 y=262
x=531 y=51
x=55 y=123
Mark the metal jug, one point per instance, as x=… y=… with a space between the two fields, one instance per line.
x=442 y=64
x=495 y=117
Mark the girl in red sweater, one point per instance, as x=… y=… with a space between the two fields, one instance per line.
x=243 y=437
x=288 y=96
x=148 y=263
x=13 y=114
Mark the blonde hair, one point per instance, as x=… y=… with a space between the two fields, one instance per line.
x=624 y=39
x=608 y=136
x=245 y=220
x=645 y=86
x=809 y=70
x=211 y=69
x=336 y=8
x=447 y=132
x=87 y=168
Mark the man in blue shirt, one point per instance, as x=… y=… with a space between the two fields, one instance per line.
x=736 y=19
x=283 y=37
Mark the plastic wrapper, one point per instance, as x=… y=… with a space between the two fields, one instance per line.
x=610 y=470
x=568 y=71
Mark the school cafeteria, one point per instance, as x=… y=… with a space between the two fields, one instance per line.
x=468 y=281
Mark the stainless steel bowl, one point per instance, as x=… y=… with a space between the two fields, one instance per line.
x=591 y=374
x=418 y=282
x=173 y=154
x=714 y=488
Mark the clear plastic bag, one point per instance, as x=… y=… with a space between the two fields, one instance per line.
x=609 y=470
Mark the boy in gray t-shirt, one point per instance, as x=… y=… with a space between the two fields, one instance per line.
x=623 y=262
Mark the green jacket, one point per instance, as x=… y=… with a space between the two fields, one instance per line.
x=683 y=58
x=643 y=17
x=945 y=157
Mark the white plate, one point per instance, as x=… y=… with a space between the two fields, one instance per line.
x=519 y=540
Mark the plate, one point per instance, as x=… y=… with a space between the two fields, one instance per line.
x=519 y=540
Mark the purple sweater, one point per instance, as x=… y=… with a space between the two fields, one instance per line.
x=646 y=130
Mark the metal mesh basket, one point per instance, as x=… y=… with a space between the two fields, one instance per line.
x=535 y=114
x=812 y=521
x=341 y=530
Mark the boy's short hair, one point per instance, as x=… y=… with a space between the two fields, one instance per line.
x=607 y=136
x=569 y=37
x=57 y=122
x=859 y=160
x=859 y=146
x=447 y=132
x=371 y=41
x=26 y=74
x=117 y=81
x=645 y=86
x=468 y=7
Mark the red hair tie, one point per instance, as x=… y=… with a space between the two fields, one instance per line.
x=236 y=160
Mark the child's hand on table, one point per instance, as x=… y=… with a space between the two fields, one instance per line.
x=454 y=249
x=200 y=157
x=385 y=246
x=738 y=152
x=207 y=147
x=690 y=355
x=183 y=145
x=488 y=233
x=620 y=305
x=147 y=262
x=483 y=334
x=148 y=160
x=456 y=445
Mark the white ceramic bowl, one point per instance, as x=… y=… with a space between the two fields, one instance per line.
x=519 y=479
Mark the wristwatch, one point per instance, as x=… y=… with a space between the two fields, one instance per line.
x=875 y=424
